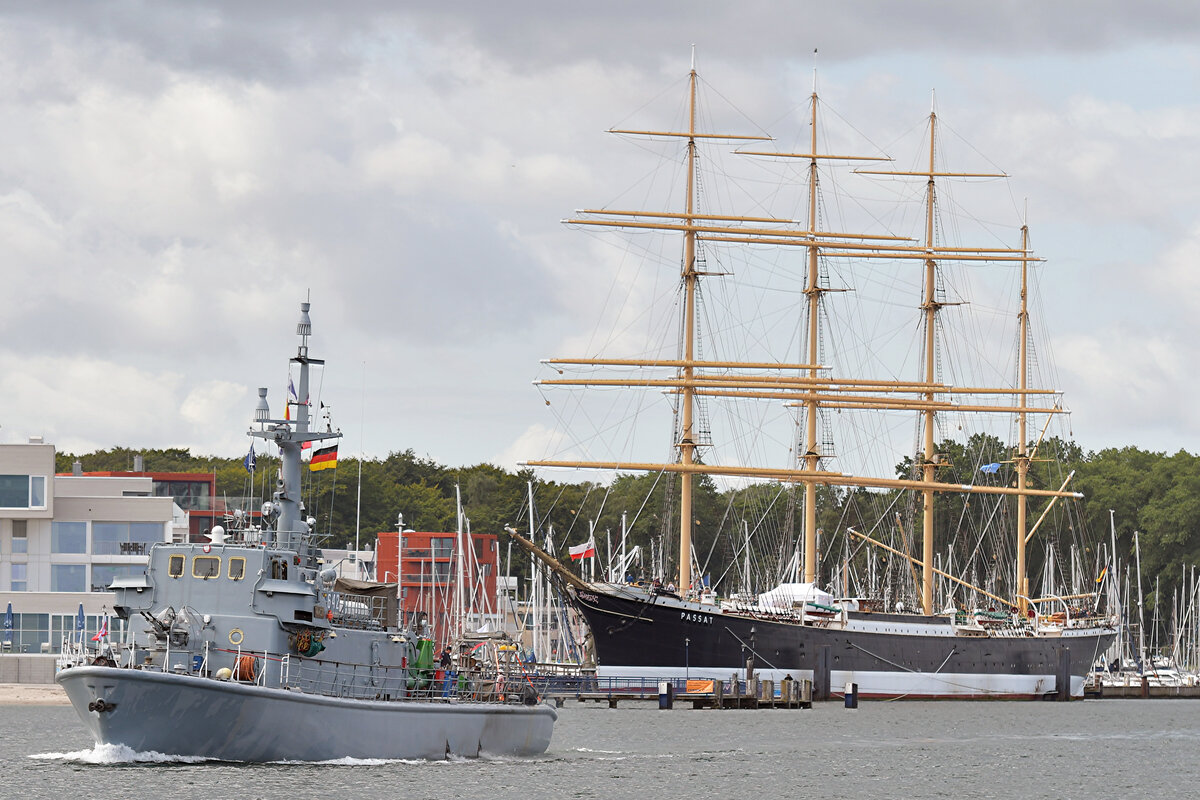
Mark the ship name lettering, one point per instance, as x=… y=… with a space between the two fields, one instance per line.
x=691 y=616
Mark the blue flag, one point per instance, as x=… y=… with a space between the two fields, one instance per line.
x=991 y=469
x=249 y=460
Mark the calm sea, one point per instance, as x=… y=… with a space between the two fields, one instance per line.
x=1090 y=749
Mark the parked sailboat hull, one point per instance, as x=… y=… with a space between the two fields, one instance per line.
x=191 y=716
x=644 y=634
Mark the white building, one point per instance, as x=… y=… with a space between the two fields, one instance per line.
x=63 y=538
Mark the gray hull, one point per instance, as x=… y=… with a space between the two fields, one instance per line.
x=194 y=716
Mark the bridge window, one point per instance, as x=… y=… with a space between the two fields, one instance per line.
x=206 y=567
x=237 y=569
x=175 y=566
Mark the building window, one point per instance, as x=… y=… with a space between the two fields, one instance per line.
x=68 y=537
x=22 y=491
x=125 y=538
x=68 y=578
x=20 y=536
x=443 y=547
x=188 y=495
x=20 y=577
x=30 y=631
x=103 y=574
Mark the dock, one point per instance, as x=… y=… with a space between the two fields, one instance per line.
x=704 y=693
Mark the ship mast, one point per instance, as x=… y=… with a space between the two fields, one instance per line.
x=1023 y=457
x=689 y=223
x=809 y=385
x=812 y=292
x=930 y=305
x=687 y=442
x=290 y=435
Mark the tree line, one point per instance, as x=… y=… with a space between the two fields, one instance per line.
x=744 y=534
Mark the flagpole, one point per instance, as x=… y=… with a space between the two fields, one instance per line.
x=362 y=417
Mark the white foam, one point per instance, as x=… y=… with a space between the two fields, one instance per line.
x=118 y=754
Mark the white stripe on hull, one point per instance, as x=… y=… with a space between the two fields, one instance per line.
x=912 y=685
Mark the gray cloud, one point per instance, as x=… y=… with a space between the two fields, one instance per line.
x=175 y=177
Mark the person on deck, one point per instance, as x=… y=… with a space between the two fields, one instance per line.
x=447 y=676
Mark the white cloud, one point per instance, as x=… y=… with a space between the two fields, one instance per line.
x=177 y=178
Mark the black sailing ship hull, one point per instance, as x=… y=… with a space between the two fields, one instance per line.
x=639 y=634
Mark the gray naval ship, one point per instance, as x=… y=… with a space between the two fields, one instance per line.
x=243 y=649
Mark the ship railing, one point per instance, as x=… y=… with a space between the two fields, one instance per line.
x=367 y=612
x=368 y=682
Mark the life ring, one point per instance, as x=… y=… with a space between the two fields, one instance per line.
x=236 y=636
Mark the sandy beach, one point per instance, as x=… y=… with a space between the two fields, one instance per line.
x=32 y=694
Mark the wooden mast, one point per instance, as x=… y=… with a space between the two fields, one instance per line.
x=687 y=442
x=690 y=223
x=812 y=291
x=930 y=307
x=1022 y=458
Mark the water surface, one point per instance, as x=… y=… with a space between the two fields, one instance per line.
x=1090 y=749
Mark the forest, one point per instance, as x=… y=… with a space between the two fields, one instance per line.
x=744 y=536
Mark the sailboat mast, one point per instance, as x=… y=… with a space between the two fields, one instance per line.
x=813 y=292
x=930 y=307
x=1022 y=459
x=687 y=443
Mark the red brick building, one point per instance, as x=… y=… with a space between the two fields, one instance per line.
x=428 y=575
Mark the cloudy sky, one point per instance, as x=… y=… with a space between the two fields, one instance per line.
x=176 y=177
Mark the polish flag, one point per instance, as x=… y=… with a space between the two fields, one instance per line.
x=586 y=550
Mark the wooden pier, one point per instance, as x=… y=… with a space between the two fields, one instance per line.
x=703 y=694
x=1145 y=690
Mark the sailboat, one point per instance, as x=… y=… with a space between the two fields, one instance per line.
x=992 y=641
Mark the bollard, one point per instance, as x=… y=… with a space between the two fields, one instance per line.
x=666 y=695
x=851 y=695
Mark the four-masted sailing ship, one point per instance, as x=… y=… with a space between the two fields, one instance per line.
x=999 y=641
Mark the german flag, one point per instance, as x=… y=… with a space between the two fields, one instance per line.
x=324 y=458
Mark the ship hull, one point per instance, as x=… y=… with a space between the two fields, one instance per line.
x=191 y=716
x=648 y=635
